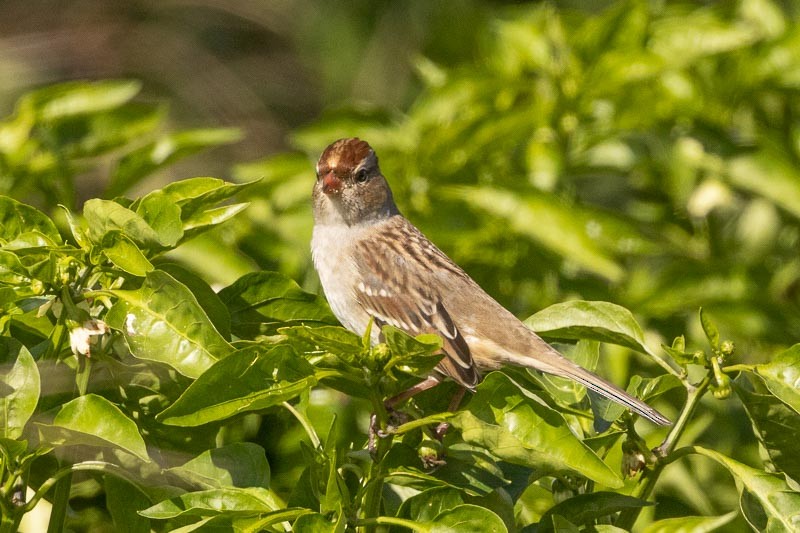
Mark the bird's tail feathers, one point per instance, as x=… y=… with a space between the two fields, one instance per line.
x=560 y=366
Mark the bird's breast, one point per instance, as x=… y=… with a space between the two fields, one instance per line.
x=331 y=247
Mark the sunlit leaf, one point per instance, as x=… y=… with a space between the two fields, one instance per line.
x=764 y=496
x=162 y=321
x=244 y=501
x=517 y=427
x=776 y=424
x=124 y=253
x=163 y=215
x=241 y=464
x=579 y=319
x=691 y=524
x=782 y=376
x=466 y=517
x=260 y=302
x=103 y=216
x=17 y=218
x=91 y=420
x=264 y=377
x=19 y=387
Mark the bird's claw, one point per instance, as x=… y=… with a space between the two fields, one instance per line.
x=396 y=418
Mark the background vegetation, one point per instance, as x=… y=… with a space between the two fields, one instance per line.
x=640 y=153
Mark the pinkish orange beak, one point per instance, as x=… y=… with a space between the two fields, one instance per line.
x=331 y=184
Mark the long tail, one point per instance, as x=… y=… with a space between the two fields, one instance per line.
x=556 y=364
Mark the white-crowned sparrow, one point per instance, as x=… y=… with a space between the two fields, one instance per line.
x=375 y=265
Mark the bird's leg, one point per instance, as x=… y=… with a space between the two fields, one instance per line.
x=442 y=428
x=395 y=417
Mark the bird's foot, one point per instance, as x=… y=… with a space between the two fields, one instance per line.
x=441 y=430
x=396 y=418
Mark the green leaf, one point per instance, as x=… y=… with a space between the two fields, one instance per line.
x=241 y=464
x=91 y=420
x=710 y=329
x=209 y=218
x=581 y=319
x=584 y=509
x=691 y=524
x=334 y=340
x=466 y=517
x=197 y=194
x=12 y=271
x=124 y=254
x=206 y=297
x=518 y=427
x=162 y=321
x=17 y=218
x=19 y=387
x=163 y=215
x=70 y=99
x=234 y=501
x=264 y=377
x=260 y=302
x=776 y=424
x=782 y=376
x=428 y=504
x=413 y=355
x=170 y=148
x=104 y=216
x=566 y=391
x=548 y=222
x=765 y=497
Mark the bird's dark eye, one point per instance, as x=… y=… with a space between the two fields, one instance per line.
x=362 y=175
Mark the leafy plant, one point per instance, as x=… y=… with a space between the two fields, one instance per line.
x=655 y=144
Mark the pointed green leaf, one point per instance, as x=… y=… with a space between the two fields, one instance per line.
x=241 y=464
x=19 y=387
x=586 y=508
x=163 y=215
x=466 y=517
x=782 y=376
x=17 y=218
x=103 y=216
x=260 y=302
x=124 y=254
x=518 y=427
x=776 y=424
x=162 y=321
x=764 y=495
x=581 y=319
x=92 y=420
x=691 y=524
x=264 y=377
x=235 y=501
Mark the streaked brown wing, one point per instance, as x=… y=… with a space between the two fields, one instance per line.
x=396 y=288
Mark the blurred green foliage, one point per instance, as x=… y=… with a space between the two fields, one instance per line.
x=645 y=154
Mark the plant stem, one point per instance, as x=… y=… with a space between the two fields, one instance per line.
x=648 y=482
x=306 y=425
x=373 y=484
x=60 y=503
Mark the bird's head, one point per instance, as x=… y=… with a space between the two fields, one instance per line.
x=350 y=188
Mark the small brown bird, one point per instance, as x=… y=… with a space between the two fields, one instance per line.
x=375 y=265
